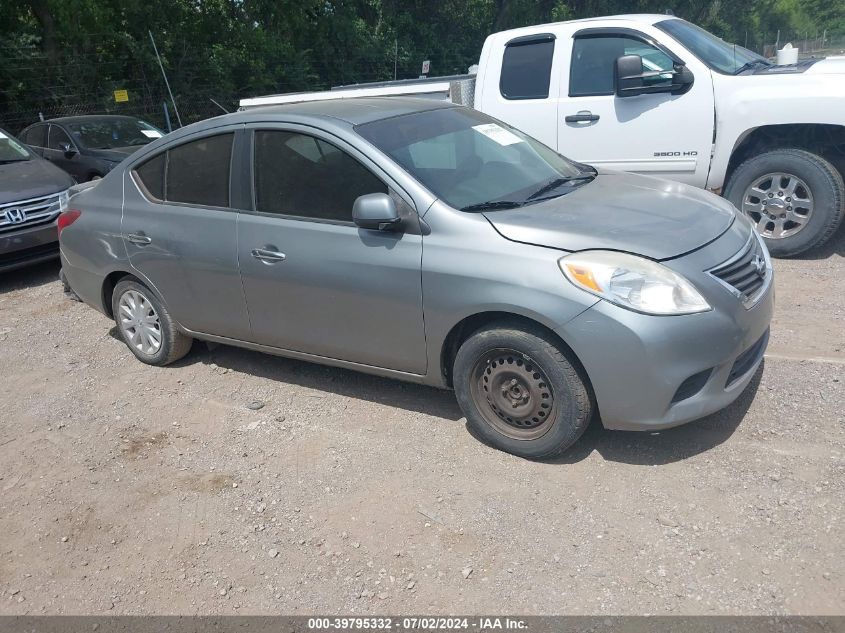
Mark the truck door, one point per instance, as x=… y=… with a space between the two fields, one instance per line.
x=660 y=134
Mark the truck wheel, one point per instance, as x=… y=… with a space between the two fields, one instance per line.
x=520 y=393
x=146 y=326
x=795 y=198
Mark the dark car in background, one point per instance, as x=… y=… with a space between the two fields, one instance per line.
x=32 y=192
x=88 y=147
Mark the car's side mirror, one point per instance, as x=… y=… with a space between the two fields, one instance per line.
x=628 y=70
x=67 y=149
x=376 y=211
x=630 y=79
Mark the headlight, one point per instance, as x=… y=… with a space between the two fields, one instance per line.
x=633 y=282
x=61 y=203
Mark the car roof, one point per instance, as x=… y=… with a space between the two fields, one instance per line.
x=354 y=111
x=89 y=117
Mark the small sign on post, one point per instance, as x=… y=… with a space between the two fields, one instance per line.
x=121 y=96
x=426 y=67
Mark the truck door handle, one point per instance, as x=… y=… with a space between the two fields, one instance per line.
x=267 y=255
x=138 y=238
x=583 y=115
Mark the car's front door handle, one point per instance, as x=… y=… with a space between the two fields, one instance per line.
x=583 y=115
x=138 y=238
x=268 y=255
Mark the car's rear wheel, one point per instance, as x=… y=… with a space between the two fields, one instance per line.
x=146 y=326
x=795 y=198
x=521 y=392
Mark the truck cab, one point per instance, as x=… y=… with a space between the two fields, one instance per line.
x=656 y=95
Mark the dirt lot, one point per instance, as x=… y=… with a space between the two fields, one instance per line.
x=129 y=489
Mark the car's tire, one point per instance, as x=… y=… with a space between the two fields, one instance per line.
x=513 y=372
x=752 y=188
x=146 y=326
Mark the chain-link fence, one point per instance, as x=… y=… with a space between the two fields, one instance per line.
x=32 y=89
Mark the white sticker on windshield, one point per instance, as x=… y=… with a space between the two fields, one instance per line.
x=151 y=133
x=497 y=133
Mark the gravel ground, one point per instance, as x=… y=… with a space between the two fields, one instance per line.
x=129 y=489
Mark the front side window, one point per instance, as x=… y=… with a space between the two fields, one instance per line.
x=527 y=69
x=469 y=160
x=591 y=71
x=303 y=176
x=58 y=137
x=198 y=171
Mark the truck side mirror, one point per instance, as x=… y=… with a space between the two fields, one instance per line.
x=630 y=79
x=628 y=72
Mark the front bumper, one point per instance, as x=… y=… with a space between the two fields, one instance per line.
x=28 y=245
x=651 y=372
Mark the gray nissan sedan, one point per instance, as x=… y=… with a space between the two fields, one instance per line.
x=428 y=242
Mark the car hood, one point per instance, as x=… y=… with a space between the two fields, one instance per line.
x=617 y=211
x=31 y=179
x=828 y=66
x=116 y=154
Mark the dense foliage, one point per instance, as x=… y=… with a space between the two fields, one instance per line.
x=64 y=56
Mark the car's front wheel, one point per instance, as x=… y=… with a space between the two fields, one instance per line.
x=795 y=198
x=521 y=392
x=146 y=326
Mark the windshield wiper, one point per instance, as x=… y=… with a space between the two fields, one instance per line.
x=13 y=160
x=492 y=204
x=752 y=64
x=557 y=182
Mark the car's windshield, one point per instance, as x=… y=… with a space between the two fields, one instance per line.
x=716 y=53
x=11 y=151
x=471 y=161
x=106 y=133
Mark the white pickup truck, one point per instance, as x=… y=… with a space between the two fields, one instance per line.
x=657 y=95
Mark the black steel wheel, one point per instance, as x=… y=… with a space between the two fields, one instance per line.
x=521 y=390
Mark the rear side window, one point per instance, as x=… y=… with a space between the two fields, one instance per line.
x=35 y=136
x=196 y=172
x=527 y=68
x=303 y=176
x=151 y=175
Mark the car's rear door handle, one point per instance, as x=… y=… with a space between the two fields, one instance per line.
x=138 y=238
x=583 y=115
x=268 y=255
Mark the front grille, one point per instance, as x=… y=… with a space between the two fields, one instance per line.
x=745 y=361
x=25 y=213
x=746 y=272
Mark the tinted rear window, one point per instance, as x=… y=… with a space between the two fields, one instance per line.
x=527 y=69
x=151 y=174
x=198 y=171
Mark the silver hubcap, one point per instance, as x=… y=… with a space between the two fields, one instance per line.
x=139 y=322
x=779 y=204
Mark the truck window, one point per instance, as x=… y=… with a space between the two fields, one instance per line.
x=527 y=68
x=591 y=70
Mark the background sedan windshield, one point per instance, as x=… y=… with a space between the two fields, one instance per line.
x=11 y=150
x=466 y=158
x=109 y=133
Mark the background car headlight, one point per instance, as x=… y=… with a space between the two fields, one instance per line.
x=61 y=203
x=633 y=282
